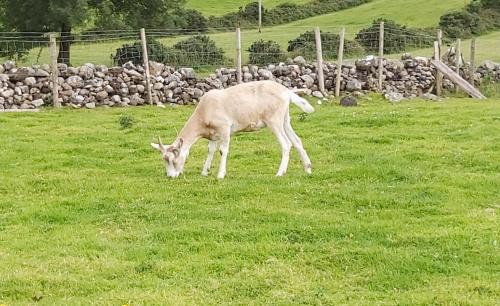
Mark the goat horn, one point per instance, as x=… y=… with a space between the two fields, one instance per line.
x=160 y=142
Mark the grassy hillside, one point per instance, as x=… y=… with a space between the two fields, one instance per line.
x=221 y=7
x=414 y=13
x=402 y=209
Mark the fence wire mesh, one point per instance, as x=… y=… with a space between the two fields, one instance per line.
x=217 y=47
x=29 y=48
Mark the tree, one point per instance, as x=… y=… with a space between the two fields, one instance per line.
x=64 y=15
x=140 y=13
x=45 y=16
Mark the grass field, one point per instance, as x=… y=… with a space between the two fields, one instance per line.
x=416 y=13
x=218 y=8
x=402 y=208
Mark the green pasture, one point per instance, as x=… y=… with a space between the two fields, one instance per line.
x=402 y=209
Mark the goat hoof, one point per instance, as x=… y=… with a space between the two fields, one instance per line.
x=308 y=169
x=204 y=173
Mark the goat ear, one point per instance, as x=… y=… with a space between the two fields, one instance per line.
x=157 y=146
x=179 y=144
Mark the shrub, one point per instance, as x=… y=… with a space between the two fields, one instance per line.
x=460 y=24
x=397 y=37
x=305 y=45
x=266 y=52
x=192 y=20
x=198 y=50
x=195 y=51
x=479 y=17
x=157 y=52
x=126 y=121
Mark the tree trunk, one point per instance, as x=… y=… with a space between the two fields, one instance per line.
x=64 y=47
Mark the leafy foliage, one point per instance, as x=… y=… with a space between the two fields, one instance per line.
x=195 y=51
x=305 y=45
x=283 y=13
x=397 y=37
x=63 y=16
x=126 y=121
x=479 y=17
x=140 y=14
x=460 y=24
x=133 y=53
x=265 y=52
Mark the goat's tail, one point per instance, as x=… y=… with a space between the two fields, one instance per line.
x=301 y=103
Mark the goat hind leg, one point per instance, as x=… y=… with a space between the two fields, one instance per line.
x=297 y=143
x=224 y=150
x=285 y=144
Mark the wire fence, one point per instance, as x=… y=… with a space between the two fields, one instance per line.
x=201 y=49
x=29 y=47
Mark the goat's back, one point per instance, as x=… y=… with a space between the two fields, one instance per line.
x=245 y=103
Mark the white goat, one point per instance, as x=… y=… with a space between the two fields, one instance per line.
x=246 y=107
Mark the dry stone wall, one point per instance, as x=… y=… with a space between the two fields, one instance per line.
x=97 y=85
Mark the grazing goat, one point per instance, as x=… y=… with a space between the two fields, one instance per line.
x=242 y=108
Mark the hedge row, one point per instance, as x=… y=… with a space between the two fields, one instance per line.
x=283 y=13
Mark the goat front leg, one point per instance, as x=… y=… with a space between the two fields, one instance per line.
x=212 y=147
x=224 y=150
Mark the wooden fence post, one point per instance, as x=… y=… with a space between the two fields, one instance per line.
x=319 y=56
x=146 y=65
x=339 y=63
x=472 y=69
x=54 y=69
x=437 y=57
x=260 y=16
x=458 y=58
x=238 y=55
x=381 y=56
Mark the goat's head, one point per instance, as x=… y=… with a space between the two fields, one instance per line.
x=173 y=156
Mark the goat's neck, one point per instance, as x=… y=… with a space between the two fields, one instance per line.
x=189 y=135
